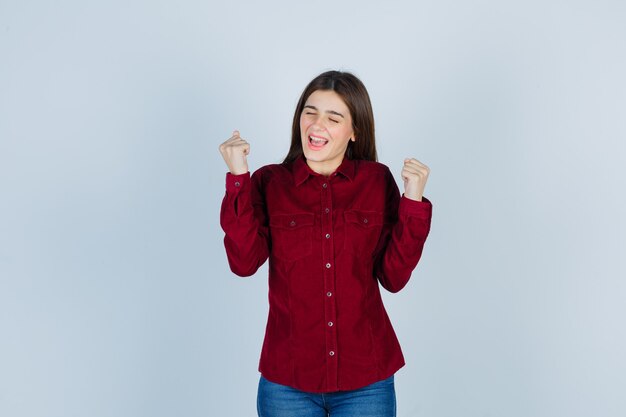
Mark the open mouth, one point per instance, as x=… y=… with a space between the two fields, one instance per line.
x=316 y=142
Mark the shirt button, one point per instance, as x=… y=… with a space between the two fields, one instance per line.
x=237 y=183
x=331 y=353
x=293 y=223
x=327 y=266
x=327 y=235
x=330 y=324
x=364 y=220
x=326 y=210
x=329 y=294
x=325 y=185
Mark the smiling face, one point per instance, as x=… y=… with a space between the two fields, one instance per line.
x=325 y=129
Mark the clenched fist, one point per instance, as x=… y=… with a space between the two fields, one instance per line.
x=414 y=174
x=234 y=152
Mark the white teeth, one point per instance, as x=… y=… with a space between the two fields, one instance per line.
x=317 y=141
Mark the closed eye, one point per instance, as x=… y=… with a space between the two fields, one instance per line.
x=333 y=120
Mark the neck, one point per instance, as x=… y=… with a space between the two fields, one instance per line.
x=323 y=168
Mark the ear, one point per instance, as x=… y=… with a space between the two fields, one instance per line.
x=353 y=139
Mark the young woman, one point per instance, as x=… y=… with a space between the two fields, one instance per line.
x=333 y=225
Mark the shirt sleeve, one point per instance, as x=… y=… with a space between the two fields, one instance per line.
x=244 y=221
x=405 y=229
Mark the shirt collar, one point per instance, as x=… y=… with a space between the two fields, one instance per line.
x=301 y=171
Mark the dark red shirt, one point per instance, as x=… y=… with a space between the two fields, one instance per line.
x=330 y=241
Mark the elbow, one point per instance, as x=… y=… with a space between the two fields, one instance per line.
x=243 y=261
x=394 y=288
x=243 y=270
x=394 y=285
x=243 y=273
x=245 y=266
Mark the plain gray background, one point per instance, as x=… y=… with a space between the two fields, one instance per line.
x=115 y=294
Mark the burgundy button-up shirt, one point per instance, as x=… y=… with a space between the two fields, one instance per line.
x=330 y=241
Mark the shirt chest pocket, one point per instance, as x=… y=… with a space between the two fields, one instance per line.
x=292 y=235
x=362 y=231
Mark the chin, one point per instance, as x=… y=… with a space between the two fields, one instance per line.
x=310 y=156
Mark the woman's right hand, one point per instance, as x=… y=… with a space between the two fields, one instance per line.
x=234 y=152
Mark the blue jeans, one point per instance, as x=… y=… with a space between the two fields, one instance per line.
x=375 y=400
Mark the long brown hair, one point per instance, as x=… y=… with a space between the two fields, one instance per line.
x=354 y=94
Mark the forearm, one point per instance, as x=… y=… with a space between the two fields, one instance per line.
x=403 y=244
x=246 y=238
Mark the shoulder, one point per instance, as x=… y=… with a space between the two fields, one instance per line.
x=272 y=172
x=375 y=176
x=372 y=168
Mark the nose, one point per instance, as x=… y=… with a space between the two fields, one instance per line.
x=318 y=123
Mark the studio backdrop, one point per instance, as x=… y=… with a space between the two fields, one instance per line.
x=115 y=294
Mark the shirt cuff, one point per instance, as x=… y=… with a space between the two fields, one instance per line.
x=422 y=209
x=235 y=183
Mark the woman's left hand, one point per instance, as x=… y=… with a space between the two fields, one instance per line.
x=414 y=174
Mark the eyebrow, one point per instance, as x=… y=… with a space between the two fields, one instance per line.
x=327 y=111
